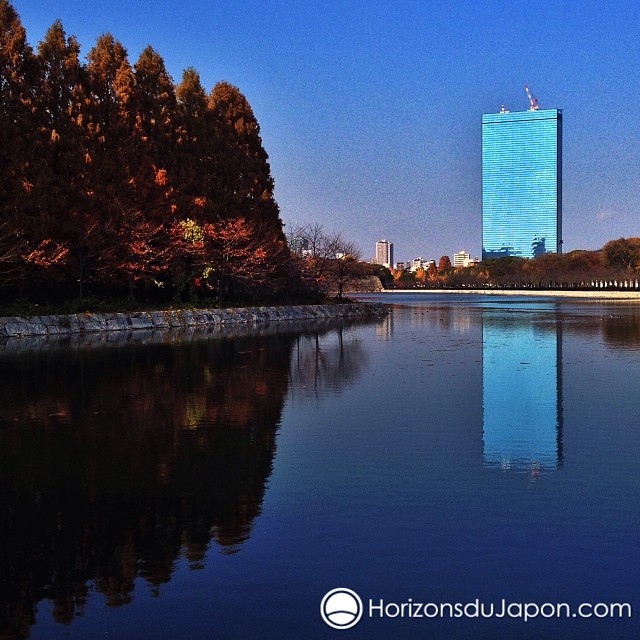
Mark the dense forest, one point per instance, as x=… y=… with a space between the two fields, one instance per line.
x=118 y=182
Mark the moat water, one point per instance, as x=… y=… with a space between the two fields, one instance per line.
x=462 y=450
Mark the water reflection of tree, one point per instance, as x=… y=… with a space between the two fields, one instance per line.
x=114 y=464
x=621 y=326
x=328 y=361
x=618 y=322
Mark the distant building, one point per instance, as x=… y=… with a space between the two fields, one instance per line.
x=384 y=253
x=461 y=259
x=400 y=266
x=300 y=245
x=521 y=183
x=418 y=263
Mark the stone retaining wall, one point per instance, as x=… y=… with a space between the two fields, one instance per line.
x=78 y=323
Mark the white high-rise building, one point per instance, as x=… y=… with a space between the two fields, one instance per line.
x=384 y=253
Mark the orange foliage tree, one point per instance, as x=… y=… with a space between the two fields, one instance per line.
x=103 y=162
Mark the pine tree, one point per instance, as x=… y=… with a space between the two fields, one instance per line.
x=245 y=186
x=192 y=101
x=146 y=112
x=107 y=60
x=92 y=232
x=60 y=186
x=61 y=75
x=106 y=167
x=196 y=150
x=18 y=131
x=156 y=111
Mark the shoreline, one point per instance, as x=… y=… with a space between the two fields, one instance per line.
x=602 y=295
x=85 y=323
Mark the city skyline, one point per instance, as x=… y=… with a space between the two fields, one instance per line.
x=371 y=114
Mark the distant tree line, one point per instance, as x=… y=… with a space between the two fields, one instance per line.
x=617 y=262
x=116 y=180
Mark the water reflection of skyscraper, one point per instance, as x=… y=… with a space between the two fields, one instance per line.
x=521 y=392
x=384 y=328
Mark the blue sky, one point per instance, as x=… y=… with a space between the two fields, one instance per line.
x=370 y=111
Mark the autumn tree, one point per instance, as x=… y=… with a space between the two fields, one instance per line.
x=112 y=116
x=109 y=74
x=144 y=250
x=502 y=271
x=197 y=152
x=244 y=183
x=18 y=77
x=94 y=227
x=345 y=266
x=192 y=104
x=155 y=103
x=236 y=258
x=312 y=251
x=104 y=163
x=61 y=184
x=584 y=266
x=18 y=131
x=623 y=253
x=221 y=258
x=403 y=279
x=154 y=111
x=140 y=198
x=187 y=257
x=547 y=270
x=444 y=265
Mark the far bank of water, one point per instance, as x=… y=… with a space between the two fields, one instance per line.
x=553 y=293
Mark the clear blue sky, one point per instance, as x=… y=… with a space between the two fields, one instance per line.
x=370 y=111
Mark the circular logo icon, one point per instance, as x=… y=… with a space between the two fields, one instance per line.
x=341 y=608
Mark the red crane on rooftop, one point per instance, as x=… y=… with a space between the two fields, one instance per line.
x=533 y=101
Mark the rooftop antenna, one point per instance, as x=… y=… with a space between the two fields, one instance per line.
x=533 y=101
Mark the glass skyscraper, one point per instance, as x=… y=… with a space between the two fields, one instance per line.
x=521 y=183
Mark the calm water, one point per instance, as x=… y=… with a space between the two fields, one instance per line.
x=203 y=486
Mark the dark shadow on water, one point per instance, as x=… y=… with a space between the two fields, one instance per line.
x=121 y=453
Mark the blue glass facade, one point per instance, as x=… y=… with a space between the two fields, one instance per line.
x=521 y=183
x=521 y=393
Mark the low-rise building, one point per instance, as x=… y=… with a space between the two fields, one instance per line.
x=461 y=259
x=418 y=263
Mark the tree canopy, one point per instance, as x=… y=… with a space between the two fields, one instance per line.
x=107 y=164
